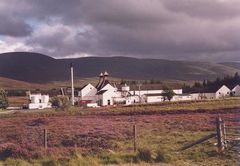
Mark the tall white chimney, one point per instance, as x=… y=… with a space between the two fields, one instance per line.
x=72 y=85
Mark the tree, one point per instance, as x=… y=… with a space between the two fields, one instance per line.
x=61 y=102
x=167 y=93
x=204 y=83
x=3 y=99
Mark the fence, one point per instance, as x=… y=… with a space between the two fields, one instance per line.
x=132 y=132
x=222 y=136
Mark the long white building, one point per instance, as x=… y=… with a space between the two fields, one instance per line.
x=217 y=92
x=105 y=93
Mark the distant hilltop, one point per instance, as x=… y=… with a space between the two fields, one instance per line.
x=39 y=68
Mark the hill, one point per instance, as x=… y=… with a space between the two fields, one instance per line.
x=38 y=68
x=232 y=64
x=7 y=83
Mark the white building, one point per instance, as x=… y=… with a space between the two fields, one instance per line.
x=39 y=101
x=236 y=90
x=154 y=98
x=87 y=93
x=105 y=93
x=217 y=92
x=182 y=97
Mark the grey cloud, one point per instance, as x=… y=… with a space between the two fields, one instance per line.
x=187 y=29
x=208 y=9
x=13 y=26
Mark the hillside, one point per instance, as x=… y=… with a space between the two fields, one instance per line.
x=7 y=83
x=232 y=64
x=38 y=68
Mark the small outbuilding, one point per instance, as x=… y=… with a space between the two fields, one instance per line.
x=39 y=101
x=213 y=92
x=236 y=90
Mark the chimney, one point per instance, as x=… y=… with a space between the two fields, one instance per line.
x=72 y=85
x=100 y=80
x=105 y=75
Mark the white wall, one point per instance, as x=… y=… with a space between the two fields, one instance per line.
x=154 y=99
x=181 y=98
x=223 y=92
x=127 y=100
x=195 y=96
x=107 y=97
x=144 y=92
x=88 y=93
x=109 y=87
x=208 y=95
x=236 y=91
x=38 y=101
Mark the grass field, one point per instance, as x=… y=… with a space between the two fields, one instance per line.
x=104 y=136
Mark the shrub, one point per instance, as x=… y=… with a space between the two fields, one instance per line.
x=110 y=159
x=15 y=162
x=79 y=160
x=61 y=102
x=50 y=163
x=144 y=155
x=16 y=151
x=12 y=150
x=3 y=99
x=162 y=156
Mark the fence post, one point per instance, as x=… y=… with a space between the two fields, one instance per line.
x=45 y=138
x=224 y=134
x=134 y=138
x=219 y=134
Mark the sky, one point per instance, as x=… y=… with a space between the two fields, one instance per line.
x=196 y=30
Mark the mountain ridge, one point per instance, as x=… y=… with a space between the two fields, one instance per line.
x=39 y=68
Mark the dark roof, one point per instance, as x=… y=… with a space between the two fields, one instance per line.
x=184 y=94
x=98 y=84
x=149 y=87
x=104 y=83
x=101 y=92
x=210 y=89
x=154 y=94
x=232 y=86
x=79 y=89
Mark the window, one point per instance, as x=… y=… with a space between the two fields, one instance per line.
x=109 y=102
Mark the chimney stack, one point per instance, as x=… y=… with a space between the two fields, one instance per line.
x=100 y=80
x=105 y=75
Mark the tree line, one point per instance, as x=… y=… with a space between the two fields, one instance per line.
x=228 y=80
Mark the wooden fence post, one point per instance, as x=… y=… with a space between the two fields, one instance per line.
x=224 y=134
x=134 y=138
x=45 y=138
x=219 y=134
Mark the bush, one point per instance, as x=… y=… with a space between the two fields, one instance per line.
x=61 y=102
x=144 y=155
x=15 y=162
x=110 y=159
x=163 y=156
x=3 y=99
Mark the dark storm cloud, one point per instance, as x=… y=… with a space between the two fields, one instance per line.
x=186 y=29
x=13 y=26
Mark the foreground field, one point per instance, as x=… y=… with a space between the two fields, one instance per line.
x=105 y=137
